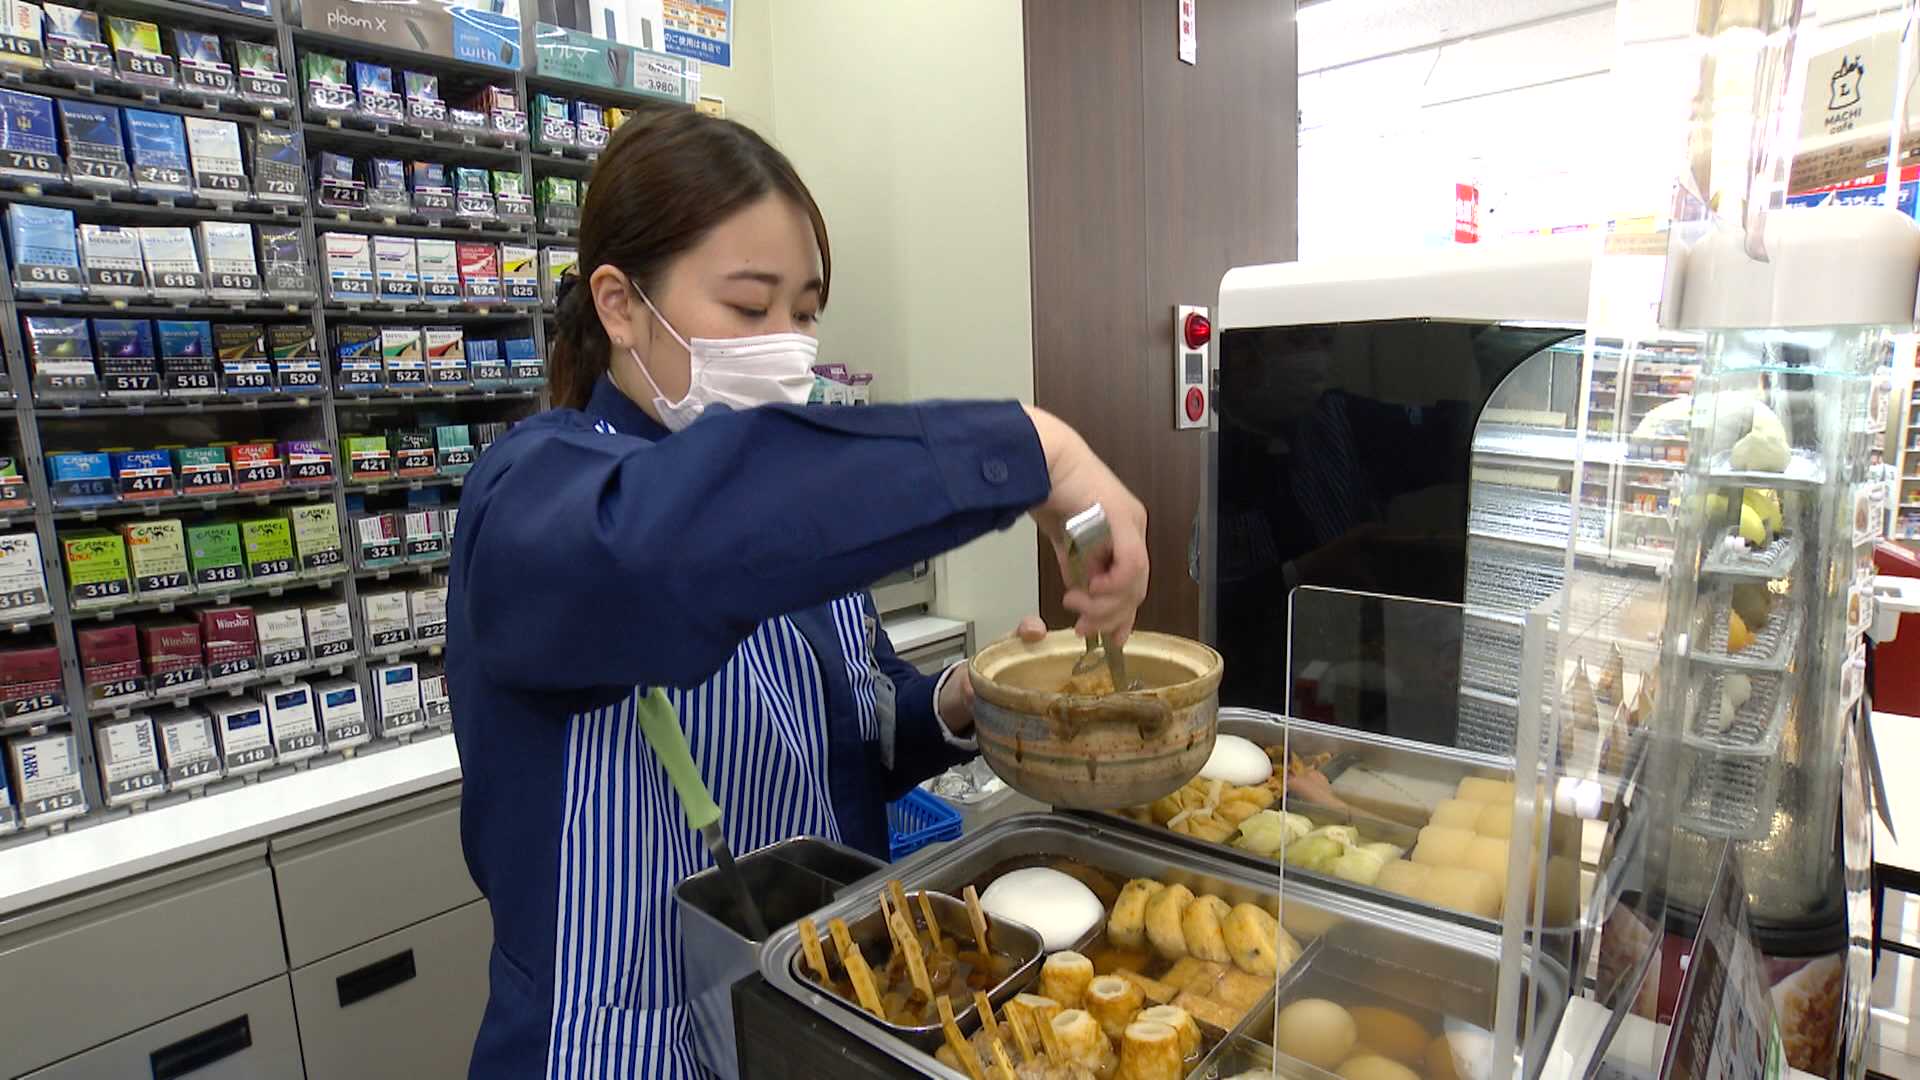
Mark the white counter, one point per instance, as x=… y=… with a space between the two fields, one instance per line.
x=910 y=632
x=66 y=863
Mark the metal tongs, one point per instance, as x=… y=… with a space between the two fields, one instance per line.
x=1087 y=538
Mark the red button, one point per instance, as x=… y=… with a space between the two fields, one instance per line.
x=1196 y=403
x=1197 y=330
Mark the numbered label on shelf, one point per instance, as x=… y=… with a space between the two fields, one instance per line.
x=510 y=122
x=219 y=186
x=246 y=377
x=270 y=568
x=207 y=80
x=82 y=58
x=591 y=136
x=474 y=204
x=456 y=458
x=514 y=209
x=407 y=374
x=13 y=45
x=523 y=291
x=145 y=484
x=160 y=178
x=99 y=171
x=132 y=383
x=439 y=710
x=239 y=667
x=106 y=695
x=331 y=97
x=362 y=375
x=328 y=650
x=261 y=476
x=95 y=593
x=324 y=559
x=193 y=383
x=112 y=279
x=20 y=710
x=415 y=462
x=207 y=480
x=42 y=278
x=450 y=373
x=393 y=638
x=183 y=282
x=489 y=372
x=371 y=468
x=300 y=376
x=556 y=132
x=430 y=632
x=374 y=556
x=442 y=291
x=426 y=112
x=145 y=69
x=298 y=745
x=249 y=759
x=402 y=722
x=310 y=473
x=337 y=194
x=161 y=583
x=381 y=105
x=269 y=88
x=422 y=548
x=180 y=680
x=433 y=202
x=31 y=165
x=13 y=496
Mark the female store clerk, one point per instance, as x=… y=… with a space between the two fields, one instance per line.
x=678 y=523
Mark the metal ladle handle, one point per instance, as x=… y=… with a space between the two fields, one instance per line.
x=1087 y=537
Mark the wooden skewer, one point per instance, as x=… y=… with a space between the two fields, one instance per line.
x=1043 y=1019
x=957 y=1042
x=810 y=944
x=863 y=985
x=900 y=904
x=984 y=1006
x=916 y=965
x=886 y=919
x=933 y=924
x=842 y=940
x=978 y=918
x=1018 y=1019
x=1000 y=1059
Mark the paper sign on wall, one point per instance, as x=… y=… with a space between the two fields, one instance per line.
x=1189 y=41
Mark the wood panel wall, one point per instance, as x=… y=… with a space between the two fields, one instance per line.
x=1147 y=180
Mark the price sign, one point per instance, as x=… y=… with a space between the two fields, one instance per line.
x=135 y=788
x=108 y=693
x=401 y=722
x=416 y=461
x=178 y=775
x=207 y=80
x=266 y=474
x=324 y=559
x=215 y=184
x=186 y=678
x=98 y=172
x=398 y=636
x=268 y=568
x=327 y=650
x=160 y=176
x=206 y=479
x=42 y=277
x=243 y=758
x=33 y=705
x=426 y=547
x=511 y=122
x=150 y=69
x=376 y=554
x=191 y=383
x=238 y=667
x=381 y=104
x=93 y=593
x=433 y=631
x=112 y=279
x=246 y=377
x=157 y=583
x=267 y=89
x=310 y=472
x=427 y=112
x=299 y=376
x=179 y=281
x=81 y=57
x=132 y=383
x=489 y=372
x=443 y=292
x=330 y=97
x=142 y=485
x=432 y=202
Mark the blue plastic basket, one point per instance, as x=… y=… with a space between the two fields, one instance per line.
x=917 y=820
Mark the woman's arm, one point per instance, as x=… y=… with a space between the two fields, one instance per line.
x=923 y=742
x=592 y=560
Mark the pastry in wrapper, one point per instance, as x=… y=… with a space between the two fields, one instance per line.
x=1150 y=1051
x=1180 y=1021
x=1064 y=978
x=1083 y=1043
x=1112 y=1001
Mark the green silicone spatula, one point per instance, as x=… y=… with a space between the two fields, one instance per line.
x=661 y=725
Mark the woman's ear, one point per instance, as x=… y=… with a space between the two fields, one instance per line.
x=613 y=300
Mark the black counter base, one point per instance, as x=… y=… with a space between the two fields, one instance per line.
x=777 y=1038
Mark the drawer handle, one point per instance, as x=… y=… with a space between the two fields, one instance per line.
x=362 y=983
x=196 y=1052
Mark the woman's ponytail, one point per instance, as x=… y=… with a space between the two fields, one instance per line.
x=667 y=178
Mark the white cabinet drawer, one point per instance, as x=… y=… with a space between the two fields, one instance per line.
x=248 y=1036
x=408 y=1004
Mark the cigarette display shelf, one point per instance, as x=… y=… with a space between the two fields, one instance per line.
x=327 y=219
x=165 y=407
x=129 y=208
x=190 y=504
x=403 y=571
x=332 y=667
x=392 y=397
x=426 y=315
x=174 y=100
x=221 y=598
x=417 y=483
x=368 y=140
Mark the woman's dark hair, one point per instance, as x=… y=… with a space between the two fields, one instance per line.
x=668 y=177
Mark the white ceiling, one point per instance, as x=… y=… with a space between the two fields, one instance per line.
x=1334 y=32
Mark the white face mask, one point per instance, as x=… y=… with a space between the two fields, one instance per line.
x=742 y=372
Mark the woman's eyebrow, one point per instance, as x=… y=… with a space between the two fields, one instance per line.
x=768 y=277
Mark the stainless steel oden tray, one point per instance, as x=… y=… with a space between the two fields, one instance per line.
x=1308 y=913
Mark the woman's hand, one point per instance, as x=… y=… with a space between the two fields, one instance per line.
x=955 y=705
x=1117 y=583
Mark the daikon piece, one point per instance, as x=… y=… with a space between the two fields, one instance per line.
x=1461 y=889
x=1481 y=790
x=1456 y=813
x=1489 y=856
x=1442 y=846
x=1403 y=877
x=1495 y=820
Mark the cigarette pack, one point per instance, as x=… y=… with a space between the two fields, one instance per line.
x=240 y=726
x=479 y=271
x=129 y=759
x=328 y=88
x=137 y=58
x=555 y=264
x=309 y=464
x=435 y=700
x=395 y=269
x=46 y=777
x=454 y=445
x=432 y=198
x=96 y=568
x=283 y=262
x=240 y=341
x=110 y=255
x=374 y=83
x=197 y=47
x=175 y=663
x=143 y=474
x=158 y=551
x=157 y=147
x=294 y=723
x=340 y=184
x=349 y=266
x=412 y=452
x=343 y=716
x=527 y=367
x=228 y=642
x=511 y=202
x=186 y=357
x=590 y=131
x=519 y=275
x=29 y=143
x=269 y=544
x=59 y=352
x=425 y=107
x=203 y=67
x=46 y=255
x=278 y=174
x=218 y=560
x=128 y=363
x=397 y=687
x=23 y=580
x=257 y=466
x=446 y=356
x=356 y=350
x=472 y=198
x=80 y=479
x=203 y=470
x=557 y=200
x=428 y=607
x=231 y=272
x=439 y=265
x=283 y=637
x=402 y=356
x=316 y=539
x=110 y=664
x=387 y=187
x=96 y=156
x=134 y=36
x=30 y=681
x=213 y=147
x=291 y=341
x=75 y=45
x=426 y=540
x=262 y=79
x=386 y=619
x=173 y=263
x=488 y=370
x=329 y=630
x=188 y=751
x=554 y=122
x=377 y=537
